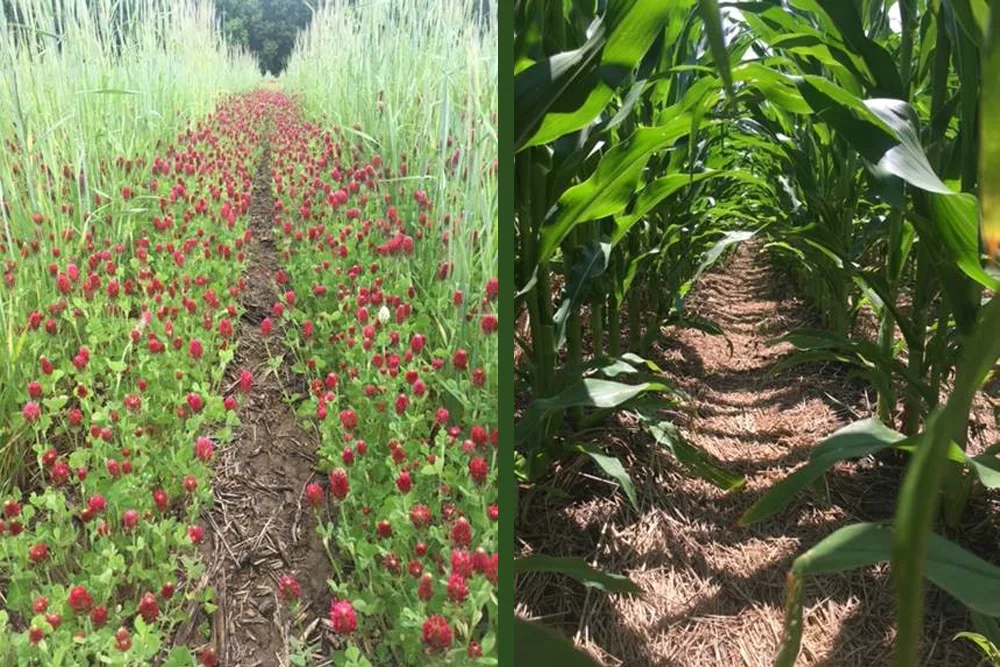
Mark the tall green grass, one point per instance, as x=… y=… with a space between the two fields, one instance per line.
x=83 y=83
x=418 y=78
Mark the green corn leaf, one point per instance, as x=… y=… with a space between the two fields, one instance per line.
x=542 y=85
x=856 y=440
x=591 y=263
x=989 y=651
x=578 y=569
x=987 y=469
x=610 y=188
x=880 y=63
x=623 y=286
x=954 y=216
x=862 y=353
x=905 y=159
x=628 y=363
x=989 y=141
x=842 y=63
x=968 y=578
x=567 y=91
x=617 y=367
x=717 y=42
x=955 y=221
x=973 y=17
x=848 y=115
x=697 y=462
x=613 y=468
x=796 y=34
x=918 y=497
x=590 y=393
x=660 y=189
x=987 y=626
x=703 y=324
x=777 y=87
x=715 y=252
x=538 y=646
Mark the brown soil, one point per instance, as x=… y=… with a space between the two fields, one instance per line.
x=260 y=527
x=712 y=592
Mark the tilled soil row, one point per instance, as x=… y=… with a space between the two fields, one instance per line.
x=260 y=527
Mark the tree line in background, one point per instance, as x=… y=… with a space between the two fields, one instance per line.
x=267 y=28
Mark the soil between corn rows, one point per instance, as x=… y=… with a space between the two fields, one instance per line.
x=712 y=592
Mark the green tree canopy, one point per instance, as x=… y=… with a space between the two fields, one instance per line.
x=265 y=27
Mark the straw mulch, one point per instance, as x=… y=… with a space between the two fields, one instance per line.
x=712 y=592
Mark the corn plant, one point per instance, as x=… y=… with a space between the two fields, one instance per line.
x=852 y=138
x=987 y=648
x=625 y=181
x=865 y=244
x=913 y=233
x=616 y=158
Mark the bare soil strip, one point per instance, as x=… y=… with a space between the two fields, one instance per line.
x=712 y=591
x=260 y=527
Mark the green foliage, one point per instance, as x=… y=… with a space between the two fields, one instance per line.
x=989 y=651
x=82 y=97
x=578 y=569
x=538 y=646
x=623 y=177
x=918 y=499
x=267 y=28
x=411 y=86
x=857 y=440
x=613 y=153
x=697 y=462
x=845 y=140
x=967 y=577
x=114 y=176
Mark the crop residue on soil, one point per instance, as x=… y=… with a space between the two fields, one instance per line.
x=713 y=592
x=260 y=527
